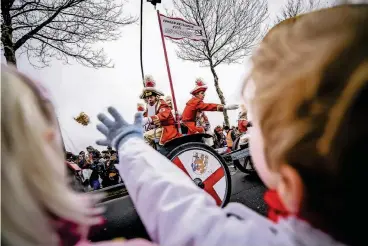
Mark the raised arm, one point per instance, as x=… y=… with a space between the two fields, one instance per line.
x=200 y=105
x=173 y=209
x=209 y=106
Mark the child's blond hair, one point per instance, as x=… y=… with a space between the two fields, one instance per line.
x=310 y=73
x=34 y=183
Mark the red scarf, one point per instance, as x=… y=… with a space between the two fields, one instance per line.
x=276 y=210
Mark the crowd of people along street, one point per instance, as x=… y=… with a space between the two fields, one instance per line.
x=95 y=169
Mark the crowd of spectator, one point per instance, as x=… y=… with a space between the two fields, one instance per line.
x=220 y=133
x=95 y=169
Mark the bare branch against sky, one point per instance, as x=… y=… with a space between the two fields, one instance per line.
x=44 y=30
x=293 y=8
x=231 y=28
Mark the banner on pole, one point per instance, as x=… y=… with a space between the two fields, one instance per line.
x=177 y=28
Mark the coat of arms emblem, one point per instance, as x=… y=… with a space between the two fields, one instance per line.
x=199 y=163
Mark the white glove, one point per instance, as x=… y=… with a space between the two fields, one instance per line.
x=146 y=120
x=231 y=107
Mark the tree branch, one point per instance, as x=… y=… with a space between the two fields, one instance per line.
x=42 y=28
x=231 y=28
x=24 y=39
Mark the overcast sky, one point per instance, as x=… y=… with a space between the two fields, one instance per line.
x=75 y=88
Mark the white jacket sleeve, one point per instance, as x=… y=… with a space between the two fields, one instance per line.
x=175 y=211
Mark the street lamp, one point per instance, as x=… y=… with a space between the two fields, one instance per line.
x=154 y=2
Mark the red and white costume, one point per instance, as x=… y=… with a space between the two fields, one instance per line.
x=243 y=120
x=161 y=120
x=195 y=105
x=164 y=119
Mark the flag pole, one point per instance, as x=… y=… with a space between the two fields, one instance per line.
x=169 y=73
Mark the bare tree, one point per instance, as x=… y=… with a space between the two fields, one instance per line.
x=61 y=29
x=231 y=28
x=296 y=7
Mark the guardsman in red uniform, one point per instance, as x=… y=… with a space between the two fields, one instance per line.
x=158 y=117
x=196 y=104
x=242 y=119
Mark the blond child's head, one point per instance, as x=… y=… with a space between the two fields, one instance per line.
x=34 y=183
x=309 y=113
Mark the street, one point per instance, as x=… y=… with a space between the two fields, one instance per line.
x=123 y=220
x=248 y=190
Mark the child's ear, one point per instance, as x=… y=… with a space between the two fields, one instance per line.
x=49 y=135
x=290 y=188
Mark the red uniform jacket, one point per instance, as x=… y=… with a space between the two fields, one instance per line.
x=165 y=119
x=190 y=112
x=242 y=125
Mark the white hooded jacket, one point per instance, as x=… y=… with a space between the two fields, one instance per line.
x=176 y=212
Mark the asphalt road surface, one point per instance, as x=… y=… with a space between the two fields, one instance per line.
x=123 y=220
x=248 y=190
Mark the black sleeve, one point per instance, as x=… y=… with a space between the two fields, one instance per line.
x=233 y=136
